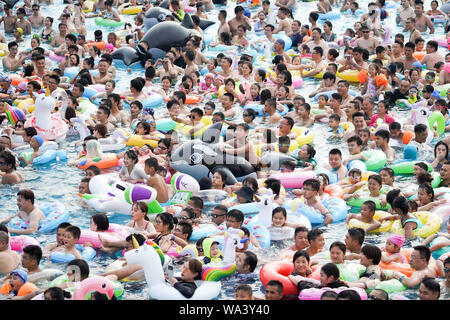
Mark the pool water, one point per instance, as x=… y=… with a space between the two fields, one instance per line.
x=58 y=182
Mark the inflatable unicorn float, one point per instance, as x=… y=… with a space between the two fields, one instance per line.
x=150 y=257
x=48 y=126
x=113 y=195
x=264 y=218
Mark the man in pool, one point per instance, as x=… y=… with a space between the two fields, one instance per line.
x=420 y=259
x=27 y=212
x=9 y=260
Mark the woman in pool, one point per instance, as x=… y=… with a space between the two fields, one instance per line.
x=132 y=172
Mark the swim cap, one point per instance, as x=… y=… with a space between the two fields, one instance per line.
x=209 y=75
x=21 y=274
x=221 y=78
x=397 y=239
x=39 y=139
x=280 y=41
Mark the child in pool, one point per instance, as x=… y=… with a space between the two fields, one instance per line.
x=374 y=86
x=354 y=183
x=337 y=131
x=35 y=143
x=301 y=264
x=71 y=236
x=391 y=252
x=211 y=251
x=279 y=216
x=367 y=213
x=322 y=101
x=110 y=85
x=190 y=271
x=59 y=238
x=408 y=221
x=335 y=164
x=244 y=292
x=253 y=95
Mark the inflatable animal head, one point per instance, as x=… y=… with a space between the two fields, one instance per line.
x=94 y=283
x=232 y=240
x=265 y=205
x=44 y=100
x=61 y=99
x=421 y=114
x=81 y=127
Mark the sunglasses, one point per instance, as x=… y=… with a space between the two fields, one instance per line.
x=214 y=215
x=216 y=120
x=2 y=163
x=184 y=218
x=372 y=297
x=162 y=148
x=245 y=115
x=446 y=270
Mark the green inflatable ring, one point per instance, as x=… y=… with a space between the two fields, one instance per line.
x=391 y=286
x=376 y=160
x=436 y=180
x=437 y=118
x=357 y=203
x=165 y=124
x=350 y=272
x=108 y=23
x=406 y=168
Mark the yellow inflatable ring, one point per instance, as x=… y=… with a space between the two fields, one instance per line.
x=431 y=221
x=27 y=103
x=385 y=225
x=131 y=10
x=349 y=75
x=136 y=140
x=90 y=5
x=304 y=136
x=207 y=120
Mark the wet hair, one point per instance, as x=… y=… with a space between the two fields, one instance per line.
x=236 y=214
x=348 y=294
x=27 y=194
x=357 y=234
x=313 y=234
x=34 y=251
x=424 y=251
x=372 y=252
x=401 y=203
x=371 y=205
x=313 y=183
x=101 y=220
x=74 y=231
x=428 y=189
x=143 y=207
x=56 y=293
x=81 y=267
x=300 y=253
x=340 y=245
x=167 y=219
x=9 y=159
x=132 y=155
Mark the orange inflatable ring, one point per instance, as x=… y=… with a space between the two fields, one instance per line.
x=191 y=99
x=101 y=44
x=107 y=161
x=334 y=190
x=16 y=79
x=419 y=55
x=407 y=136
x=280 y=270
